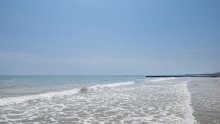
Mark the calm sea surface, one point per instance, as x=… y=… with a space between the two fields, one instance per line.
x=109 y=100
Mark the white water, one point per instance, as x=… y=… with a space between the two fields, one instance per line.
x=21 y=99
x=139 y=101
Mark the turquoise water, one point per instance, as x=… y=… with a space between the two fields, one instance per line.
x=102 y=99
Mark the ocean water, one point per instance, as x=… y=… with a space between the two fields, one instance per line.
x=108 y=100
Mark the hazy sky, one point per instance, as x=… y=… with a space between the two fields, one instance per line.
x=100 y=37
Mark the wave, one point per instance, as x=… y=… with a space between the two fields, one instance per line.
x=110 y=85
x=21 y=99
x=162 y=79
x=190 y=119
x=49 y=95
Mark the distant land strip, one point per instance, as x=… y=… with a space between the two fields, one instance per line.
x=188 y=75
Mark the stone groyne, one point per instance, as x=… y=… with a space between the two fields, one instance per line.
x=187 y=75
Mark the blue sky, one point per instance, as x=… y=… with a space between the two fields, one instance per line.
x=100 y=37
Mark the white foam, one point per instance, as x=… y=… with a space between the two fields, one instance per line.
x=21 y=99
x=190 y=119
x=162 y=79
x=110 y=85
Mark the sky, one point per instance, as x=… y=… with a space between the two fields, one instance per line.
x=109 y=37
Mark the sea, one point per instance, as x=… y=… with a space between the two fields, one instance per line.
x=124 y=99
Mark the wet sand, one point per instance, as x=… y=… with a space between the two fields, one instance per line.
x=205 y=100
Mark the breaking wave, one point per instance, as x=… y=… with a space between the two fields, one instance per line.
x=162 y=79
x=20 y=99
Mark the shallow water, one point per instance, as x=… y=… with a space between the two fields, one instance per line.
x=107 y=99
x=205 y=94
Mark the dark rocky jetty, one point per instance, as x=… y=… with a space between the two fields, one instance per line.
x=188 y=75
